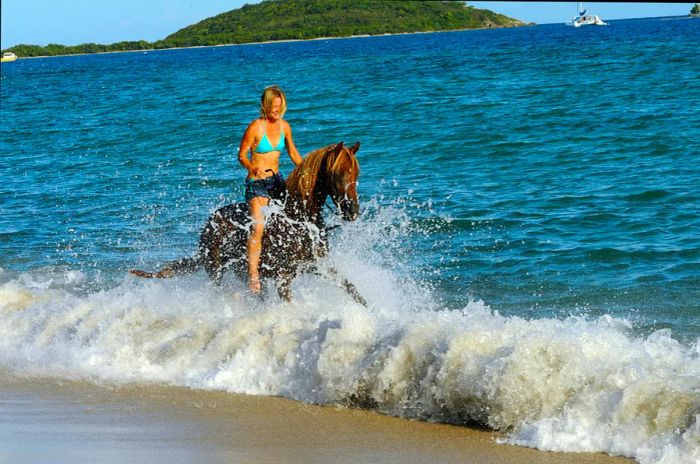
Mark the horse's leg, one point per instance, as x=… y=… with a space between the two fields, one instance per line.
x=215 y=272
x=347 y=285
x=352 y=291
x=284 y=286
x=214 y=266
x=172 y=269
x=211 y=244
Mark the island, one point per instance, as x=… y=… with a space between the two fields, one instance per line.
x=277 y=20
x=695 y=11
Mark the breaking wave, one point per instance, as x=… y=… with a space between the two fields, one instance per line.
x=571 y=384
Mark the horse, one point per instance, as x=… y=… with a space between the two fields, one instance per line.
x=295 y=237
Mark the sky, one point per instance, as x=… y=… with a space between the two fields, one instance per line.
x=72 y=22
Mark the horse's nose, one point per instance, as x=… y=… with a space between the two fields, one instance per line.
x=351 y=210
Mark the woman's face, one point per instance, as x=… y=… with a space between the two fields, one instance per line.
x=274 y=112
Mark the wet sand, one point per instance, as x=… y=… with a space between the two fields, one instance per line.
x=54 y=421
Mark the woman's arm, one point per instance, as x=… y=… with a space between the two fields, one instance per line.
x=291 y=148
x=247 y=142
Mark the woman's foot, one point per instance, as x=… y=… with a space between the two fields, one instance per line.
x=254 y=286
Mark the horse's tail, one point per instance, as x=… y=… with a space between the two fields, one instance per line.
x=172 y=269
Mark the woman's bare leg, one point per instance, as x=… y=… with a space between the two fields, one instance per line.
x=255 y=242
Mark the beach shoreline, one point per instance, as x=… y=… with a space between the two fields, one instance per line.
x=358 y=36
x=72 y=421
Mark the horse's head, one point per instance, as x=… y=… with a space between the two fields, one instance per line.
x=342 y=170
x=328 y=171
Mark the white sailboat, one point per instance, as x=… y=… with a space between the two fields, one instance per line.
x=584 y=20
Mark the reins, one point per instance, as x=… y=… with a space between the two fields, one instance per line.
x=329 y=228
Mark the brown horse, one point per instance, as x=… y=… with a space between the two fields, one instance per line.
x=295 y=235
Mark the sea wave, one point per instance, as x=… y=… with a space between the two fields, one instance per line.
x=572 y=384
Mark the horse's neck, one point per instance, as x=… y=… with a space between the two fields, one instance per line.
x=309 y=210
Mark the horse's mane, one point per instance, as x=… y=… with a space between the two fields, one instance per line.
x=302 y=180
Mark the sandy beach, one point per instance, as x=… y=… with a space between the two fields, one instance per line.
x=50 y=420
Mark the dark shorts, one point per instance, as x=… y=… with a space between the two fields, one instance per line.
x=272 y=187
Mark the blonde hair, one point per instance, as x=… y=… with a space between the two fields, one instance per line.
x=302 y=180
x=268 y=95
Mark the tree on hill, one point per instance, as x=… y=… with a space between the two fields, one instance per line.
x=307 y=19
x=303 y=19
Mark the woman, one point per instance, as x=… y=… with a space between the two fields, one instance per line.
x=264 y=181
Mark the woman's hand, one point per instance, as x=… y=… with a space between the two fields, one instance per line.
x=255 y=172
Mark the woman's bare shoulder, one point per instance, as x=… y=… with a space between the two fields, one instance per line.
x=254 y=127
x=255 y=123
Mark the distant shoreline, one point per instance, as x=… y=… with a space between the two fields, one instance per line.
x=359 y=36
x=330 y=38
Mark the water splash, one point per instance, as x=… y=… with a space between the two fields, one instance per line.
x=572 y=384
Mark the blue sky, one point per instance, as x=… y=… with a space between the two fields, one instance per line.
x=71 y=22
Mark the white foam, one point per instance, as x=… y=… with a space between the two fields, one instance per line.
x=569 y=385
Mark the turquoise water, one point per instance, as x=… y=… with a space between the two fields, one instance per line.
x=547 y=171
x=560 y=166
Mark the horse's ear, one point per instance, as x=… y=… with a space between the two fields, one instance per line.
x=354 y=148
x=338 y=148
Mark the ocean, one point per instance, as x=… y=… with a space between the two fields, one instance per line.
x=528 y=244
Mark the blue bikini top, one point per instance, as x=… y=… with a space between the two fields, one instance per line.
x=265 y=146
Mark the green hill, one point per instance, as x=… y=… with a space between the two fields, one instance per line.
x=303 y=19
x=309 y=19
